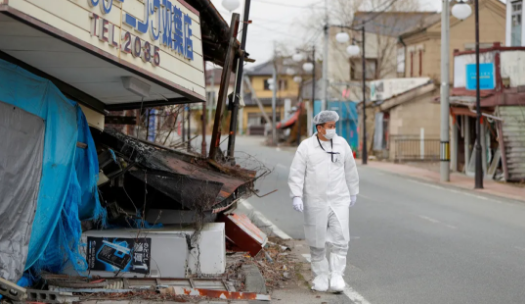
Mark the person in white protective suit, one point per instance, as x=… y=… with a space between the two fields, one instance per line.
x=324 y=183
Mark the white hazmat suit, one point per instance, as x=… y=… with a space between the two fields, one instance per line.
x=325 y=178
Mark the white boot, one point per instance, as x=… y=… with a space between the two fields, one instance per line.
x=337 y=265
x=321 y=272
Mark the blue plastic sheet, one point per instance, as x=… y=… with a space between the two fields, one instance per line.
x=86 y=166
x=68 y=191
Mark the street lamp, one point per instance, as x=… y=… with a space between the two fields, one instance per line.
x=297 y=57
x=308 y=67
x=297 y=79
x=462 y=11
x=231 y=5
x=342 y=37
x=353 y=50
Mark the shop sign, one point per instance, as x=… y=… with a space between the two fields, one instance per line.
x=162 y=20
x=156 y=37
x=486 y=76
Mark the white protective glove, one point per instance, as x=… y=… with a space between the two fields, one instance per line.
x=353 y=199
x=298 y=204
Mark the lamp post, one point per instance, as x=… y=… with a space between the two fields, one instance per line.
x=353 y=50
x=231 y=5
x=462 y=11
x=308 y=67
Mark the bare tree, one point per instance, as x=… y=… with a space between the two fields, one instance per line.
x=385 y=20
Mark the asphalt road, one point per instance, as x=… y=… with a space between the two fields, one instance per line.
x=413 y=242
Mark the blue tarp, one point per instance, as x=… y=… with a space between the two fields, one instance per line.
x=68 y=191
x=347 y=125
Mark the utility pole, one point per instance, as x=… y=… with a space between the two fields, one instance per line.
x=326 y=31
x=274 y=99
x=238 y=84
x=479 y=166
x=223 y=91
x=445 y=66
x=363 y=59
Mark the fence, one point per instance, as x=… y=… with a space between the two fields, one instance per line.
x=415 y=149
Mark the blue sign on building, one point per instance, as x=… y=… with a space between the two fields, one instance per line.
x=346 y=127
x=486 y=76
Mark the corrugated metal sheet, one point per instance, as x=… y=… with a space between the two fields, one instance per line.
x=513 y=133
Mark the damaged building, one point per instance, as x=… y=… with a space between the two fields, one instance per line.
x=80 y=198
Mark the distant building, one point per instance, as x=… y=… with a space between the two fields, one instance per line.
x=253 y=121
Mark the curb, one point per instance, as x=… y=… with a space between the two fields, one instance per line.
x=451 y=185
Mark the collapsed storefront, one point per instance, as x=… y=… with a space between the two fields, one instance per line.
x=63 y=66
x=502 y=101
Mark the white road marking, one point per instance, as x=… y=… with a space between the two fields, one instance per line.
x=354 y=295
x=429 y=219
x=427 y=184
x=454 y=191
x=348 y=291
x=308 y=257
x=434 y=221
x=276 y=230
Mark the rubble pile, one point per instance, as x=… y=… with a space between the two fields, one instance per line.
x=275 y=262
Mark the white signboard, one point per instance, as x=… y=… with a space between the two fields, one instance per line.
x=156 y=37
x=388 y=88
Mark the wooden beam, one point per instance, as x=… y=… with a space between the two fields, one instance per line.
x=223 y=90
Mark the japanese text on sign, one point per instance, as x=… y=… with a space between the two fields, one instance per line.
x=164 y=21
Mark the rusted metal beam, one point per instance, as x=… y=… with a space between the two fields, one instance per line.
x=223 y=89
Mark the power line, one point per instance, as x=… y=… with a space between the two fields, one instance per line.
x=274 y=31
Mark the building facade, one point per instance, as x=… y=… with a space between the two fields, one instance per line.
x=514 y=33
x=64 y=65
x=419 y=49
x=260 y=76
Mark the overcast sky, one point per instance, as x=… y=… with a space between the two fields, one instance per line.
x=276 y=21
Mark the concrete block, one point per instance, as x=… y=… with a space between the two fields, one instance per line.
x=254 y=281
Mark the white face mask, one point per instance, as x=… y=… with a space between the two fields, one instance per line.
x=330 y=133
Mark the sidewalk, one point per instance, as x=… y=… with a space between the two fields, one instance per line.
x=457 y=180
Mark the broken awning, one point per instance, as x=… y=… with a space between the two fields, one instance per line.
x=288 y=122
x=189 y=180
